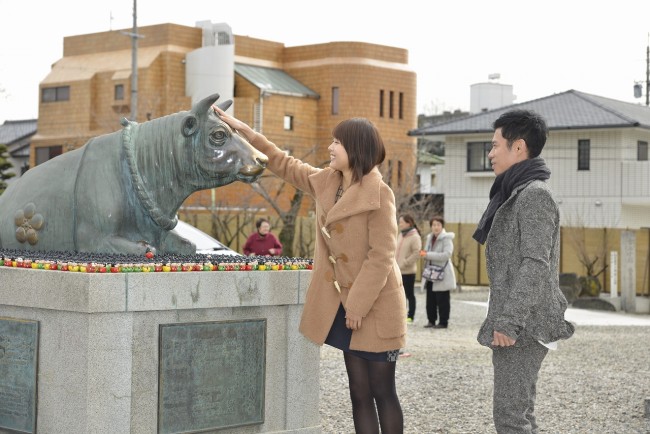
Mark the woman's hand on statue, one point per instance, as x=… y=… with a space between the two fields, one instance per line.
x=423 y=253
x=237 y=125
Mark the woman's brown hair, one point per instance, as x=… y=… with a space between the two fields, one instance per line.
x=408 y=218
x=363 y=144
x=437 y=218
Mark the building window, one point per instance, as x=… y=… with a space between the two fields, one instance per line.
x=52 y=94
x=119 y=92
x=335 y=100
x=381 y=103
x=583 y=154
x=257 y=117
x=642 y=151
x=477 y=156
x=401 y=105
x=223 y=38
x=390 y=104
x=288 y=122
x=47 y=153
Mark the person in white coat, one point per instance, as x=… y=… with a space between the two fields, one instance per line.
x=438 y=250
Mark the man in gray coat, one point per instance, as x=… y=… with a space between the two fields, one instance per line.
x=521 y=227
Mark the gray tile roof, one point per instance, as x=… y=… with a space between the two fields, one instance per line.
x=274 y=80
x=562 y=111
x=12 y=131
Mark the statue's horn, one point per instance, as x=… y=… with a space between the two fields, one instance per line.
x=225 y=105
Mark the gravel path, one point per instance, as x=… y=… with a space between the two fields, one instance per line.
x=596 y=382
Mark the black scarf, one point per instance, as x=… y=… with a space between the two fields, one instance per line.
x=518 y=174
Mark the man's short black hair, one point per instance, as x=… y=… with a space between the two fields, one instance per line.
x=526 y=125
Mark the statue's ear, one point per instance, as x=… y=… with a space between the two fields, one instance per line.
x=189 y=125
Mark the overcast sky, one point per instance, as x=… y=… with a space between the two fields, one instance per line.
x=539 y=47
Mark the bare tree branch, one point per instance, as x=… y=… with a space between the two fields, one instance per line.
x=288 y=217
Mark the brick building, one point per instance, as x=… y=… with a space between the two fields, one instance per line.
x=294 y=95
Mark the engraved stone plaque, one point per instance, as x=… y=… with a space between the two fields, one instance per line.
x=18 y=368
x=211 y=375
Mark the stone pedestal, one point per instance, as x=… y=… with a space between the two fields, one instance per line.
x=98 y=352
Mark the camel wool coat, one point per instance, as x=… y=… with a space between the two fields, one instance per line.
x=354 y=257
x=408 y=251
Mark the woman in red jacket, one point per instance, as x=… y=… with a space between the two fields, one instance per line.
x=263 y=242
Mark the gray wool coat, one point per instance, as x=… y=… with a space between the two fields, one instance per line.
x=523 y=261
x=439 y=254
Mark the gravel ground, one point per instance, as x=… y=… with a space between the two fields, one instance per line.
x=596 y=382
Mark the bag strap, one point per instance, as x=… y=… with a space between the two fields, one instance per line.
x=443 y=265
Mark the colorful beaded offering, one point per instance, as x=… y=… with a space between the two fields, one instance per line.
x=80 y=262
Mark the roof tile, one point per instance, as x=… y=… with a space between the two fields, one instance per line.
x=567 y=110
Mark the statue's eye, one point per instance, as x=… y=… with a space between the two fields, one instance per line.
x=218 y=137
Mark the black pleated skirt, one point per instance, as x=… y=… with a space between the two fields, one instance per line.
x=340 y=336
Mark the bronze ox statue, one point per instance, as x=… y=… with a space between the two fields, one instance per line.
x=120 y=192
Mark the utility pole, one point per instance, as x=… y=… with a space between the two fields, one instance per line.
x=647 y=73
x=638 y=87
x=134 y=62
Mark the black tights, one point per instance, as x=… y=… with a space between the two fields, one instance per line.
x=373 y=383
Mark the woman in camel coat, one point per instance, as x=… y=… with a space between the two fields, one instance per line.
x=355 y=301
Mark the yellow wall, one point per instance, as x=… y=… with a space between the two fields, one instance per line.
x=595 y=243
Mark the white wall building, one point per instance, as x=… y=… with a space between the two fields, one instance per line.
x=597 y=151
x=210 y=67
